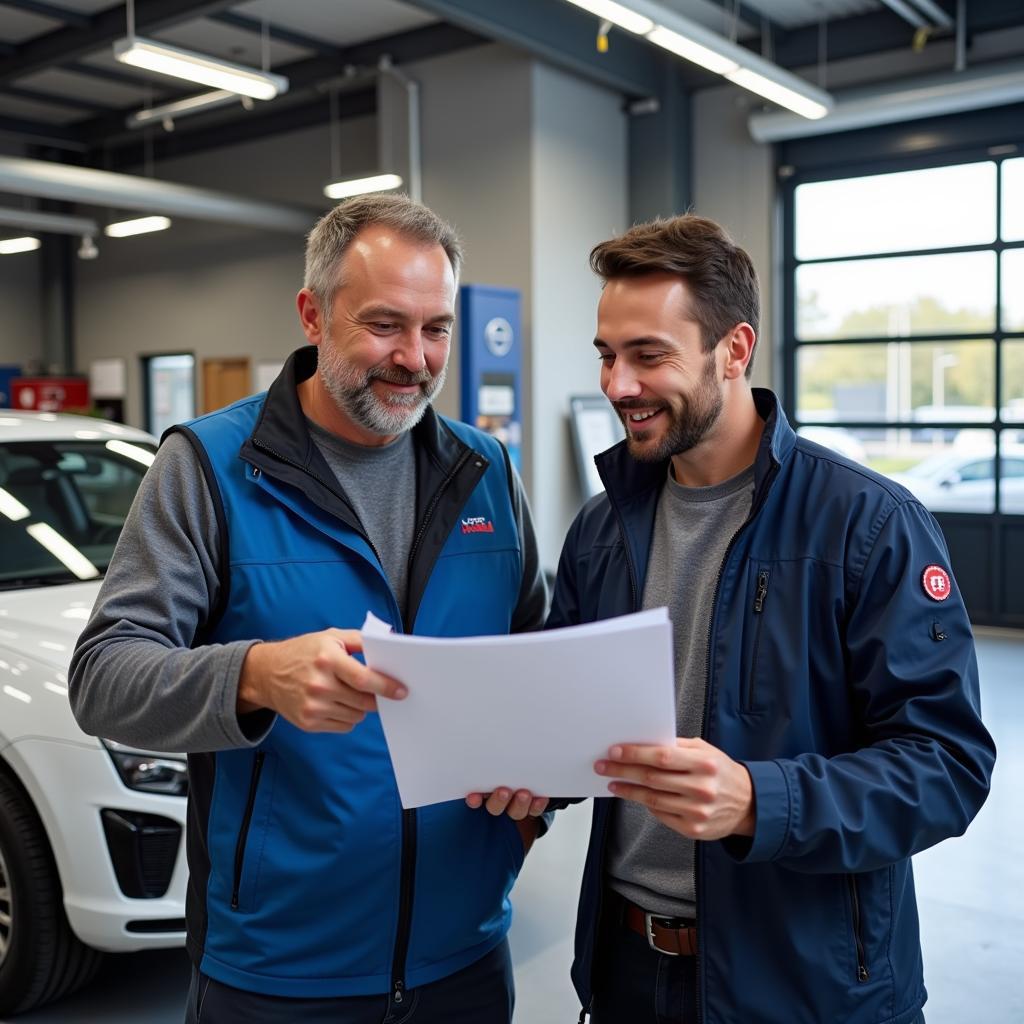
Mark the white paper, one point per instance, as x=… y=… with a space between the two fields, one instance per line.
x=532 y=711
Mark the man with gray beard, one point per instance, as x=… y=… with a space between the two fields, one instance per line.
x=227 y=627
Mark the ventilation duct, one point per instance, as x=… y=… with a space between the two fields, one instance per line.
x=49 y=180
x=990 y=85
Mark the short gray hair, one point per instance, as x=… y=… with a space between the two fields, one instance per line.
x=333 y=233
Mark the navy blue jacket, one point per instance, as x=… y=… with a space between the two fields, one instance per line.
x=852 y=698
x=307 y=878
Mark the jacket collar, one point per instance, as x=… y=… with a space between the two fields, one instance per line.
x=627 y=479
x=281 y=427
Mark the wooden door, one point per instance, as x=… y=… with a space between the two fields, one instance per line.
x=225 y=381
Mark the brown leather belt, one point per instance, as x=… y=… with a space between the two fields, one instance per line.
x=665 y=934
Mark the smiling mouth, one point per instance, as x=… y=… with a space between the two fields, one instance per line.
x=638 y=419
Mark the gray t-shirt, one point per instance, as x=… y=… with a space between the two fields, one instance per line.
x=386 y=513
x=649 y=863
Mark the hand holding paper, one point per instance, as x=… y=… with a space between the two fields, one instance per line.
x=535 y=710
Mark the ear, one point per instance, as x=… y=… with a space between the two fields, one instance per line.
x=739 y=349
x=310 y=316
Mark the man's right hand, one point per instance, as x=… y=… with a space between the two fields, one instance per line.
x=313 y=681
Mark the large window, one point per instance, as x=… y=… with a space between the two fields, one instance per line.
x=906 y=324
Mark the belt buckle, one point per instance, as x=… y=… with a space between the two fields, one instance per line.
x=649 y=927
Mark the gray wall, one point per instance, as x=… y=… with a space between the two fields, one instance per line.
x=580 y=198
x=21 y=330
x=733 y=183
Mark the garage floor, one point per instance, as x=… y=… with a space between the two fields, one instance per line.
x=970 y=893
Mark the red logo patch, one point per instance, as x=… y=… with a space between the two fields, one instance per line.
x=477 y=524
x=936 y=583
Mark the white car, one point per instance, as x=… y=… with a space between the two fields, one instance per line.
x=962 y=479
x=91 y=833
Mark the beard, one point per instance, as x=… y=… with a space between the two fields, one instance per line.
x=688 y=425
x=352 y=391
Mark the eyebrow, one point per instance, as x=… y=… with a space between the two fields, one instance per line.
x=387 y=313
x=632 y=343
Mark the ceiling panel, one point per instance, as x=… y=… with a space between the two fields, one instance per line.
x=86 y=6
x=29 y=110
x=19 y=26
x=96 y=90
x=341 y=22
x=795 y=13
x=229 y=43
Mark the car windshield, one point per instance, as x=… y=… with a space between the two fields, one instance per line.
x=62 y=506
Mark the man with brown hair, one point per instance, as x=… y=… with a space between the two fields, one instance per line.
x=758 y=871
x=227 y=627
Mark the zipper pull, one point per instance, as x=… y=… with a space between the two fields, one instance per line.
x=762 y=590
x=397 y=996
x=862 y=973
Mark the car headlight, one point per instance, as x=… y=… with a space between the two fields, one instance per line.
x=149 y=772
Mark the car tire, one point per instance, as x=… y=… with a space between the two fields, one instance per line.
x=41 y=959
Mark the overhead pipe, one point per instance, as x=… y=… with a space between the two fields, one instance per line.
x=49 y=180
x=50 y=223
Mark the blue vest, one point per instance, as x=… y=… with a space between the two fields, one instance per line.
x=308 y=879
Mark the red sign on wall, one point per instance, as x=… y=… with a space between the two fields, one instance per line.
x=50 y=394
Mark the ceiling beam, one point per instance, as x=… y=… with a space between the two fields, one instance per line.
x=560 y=34
x=132 y=81
x=245 y=128
x=50 y=99
x=37 y=133
x=74 y=18
x=69 y=44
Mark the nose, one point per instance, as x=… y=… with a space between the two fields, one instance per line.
x=618 y=381
x=408 y=354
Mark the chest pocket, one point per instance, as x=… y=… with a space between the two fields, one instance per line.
x=792 y=616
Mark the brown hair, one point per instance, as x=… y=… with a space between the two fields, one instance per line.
x=720 y=275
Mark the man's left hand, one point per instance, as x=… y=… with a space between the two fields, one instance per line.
x=693 y=787
x=519 y=804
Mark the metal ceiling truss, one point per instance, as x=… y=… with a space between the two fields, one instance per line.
x=73 y=18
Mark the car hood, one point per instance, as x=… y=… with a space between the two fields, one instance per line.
x=38 y=630
x=43 y=623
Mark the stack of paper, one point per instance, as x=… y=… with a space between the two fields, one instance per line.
x=532 y=711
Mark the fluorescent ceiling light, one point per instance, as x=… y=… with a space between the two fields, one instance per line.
x=799 y=104
x=608 y=10
x=9 y=246
x=138 y=226
x=167 y=112
x=63 y=550
x=699 y=45
x=359 y=186
x=691 y=51
x=11 y=507
x=198 y=67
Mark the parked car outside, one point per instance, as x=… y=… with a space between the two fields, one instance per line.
x=839 y=439
x=962 y=479
x=91 y=850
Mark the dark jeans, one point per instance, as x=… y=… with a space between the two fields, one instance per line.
x=643 y=986
x=479 y=994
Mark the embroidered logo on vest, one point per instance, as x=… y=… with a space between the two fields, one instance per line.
x=477 y=524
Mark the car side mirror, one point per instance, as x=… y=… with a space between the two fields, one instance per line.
x=953 y=478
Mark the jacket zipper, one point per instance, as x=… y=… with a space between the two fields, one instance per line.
x=862 y=970
x=409 y=820
x=699 y=849
x=762 y=593
x=243 y=833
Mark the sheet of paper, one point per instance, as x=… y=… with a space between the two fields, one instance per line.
x=531 y=711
